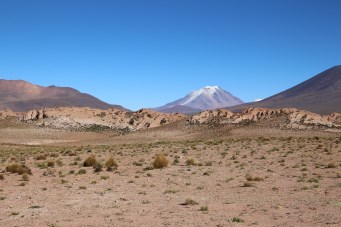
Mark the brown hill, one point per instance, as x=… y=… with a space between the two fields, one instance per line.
x=320 y=94
x=21 y=96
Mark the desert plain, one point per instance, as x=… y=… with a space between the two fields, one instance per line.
x=212 y=175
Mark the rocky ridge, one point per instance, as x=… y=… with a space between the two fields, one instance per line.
x=87 y=118
x=96 y=119
x=286 y=118
x=6 y=114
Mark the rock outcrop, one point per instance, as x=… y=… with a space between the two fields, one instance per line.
x=286 y=118
x=220 y=116
x=6 y=114
x=83 y=118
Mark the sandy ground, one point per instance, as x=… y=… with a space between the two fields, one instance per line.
x=241 y=177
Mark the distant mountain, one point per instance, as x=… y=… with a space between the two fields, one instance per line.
x=320 y=94
x=22 y=96
x=206 y=98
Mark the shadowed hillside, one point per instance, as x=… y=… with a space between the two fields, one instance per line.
x=320 y=94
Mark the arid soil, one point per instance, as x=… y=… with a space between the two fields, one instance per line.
x=217 y=175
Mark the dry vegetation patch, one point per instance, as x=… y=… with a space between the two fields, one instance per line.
x=285 y=181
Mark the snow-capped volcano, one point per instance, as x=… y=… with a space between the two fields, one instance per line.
x=206 y=98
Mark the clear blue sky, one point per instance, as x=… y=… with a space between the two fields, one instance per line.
x=144 y=53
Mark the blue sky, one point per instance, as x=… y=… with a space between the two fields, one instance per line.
x=144 y=53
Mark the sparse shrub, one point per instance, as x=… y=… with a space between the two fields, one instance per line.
x=190 y=202
x=209 y=163
x=59 y=162
x=237 y=220
x=313 y=180
x=204 y=208
x=305 y=188
x=160 y=161
x=250 y=178
x=90 y=161
x=247 y=184
x=61 y=174
x=25 y=177
x=147 y=168
x=19 y=169
x=331 y=165
x=71 y=172
x=82 y=171
x=50 y=163
x=191 y=162
x=42 y=165
x=82 y=187
x=98 y=167
x=145 y=202
x=2 y=177
x=137 y=164
x=41 y=157
x=170 y=191
x=111 y=164
x=104 y=177
x=54 y=155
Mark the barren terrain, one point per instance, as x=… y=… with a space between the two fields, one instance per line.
x=216 y=176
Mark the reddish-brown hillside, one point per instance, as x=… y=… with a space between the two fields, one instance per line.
x=21 y=96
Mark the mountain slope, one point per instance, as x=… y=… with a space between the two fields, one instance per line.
x=206 y=98
x=320 y=94
x=21 y=96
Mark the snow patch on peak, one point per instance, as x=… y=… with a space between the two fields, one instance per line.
x=212 y=87
x=206 y=98
x=207 y=91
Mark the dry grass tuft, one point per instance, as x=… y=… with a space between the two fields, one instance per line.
x=249 y=177
x=160 y=161
x=90 y=161
x=111 y=164
x=191 y=162
x=190 y=202
x=25 y=177
x=19 y=169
